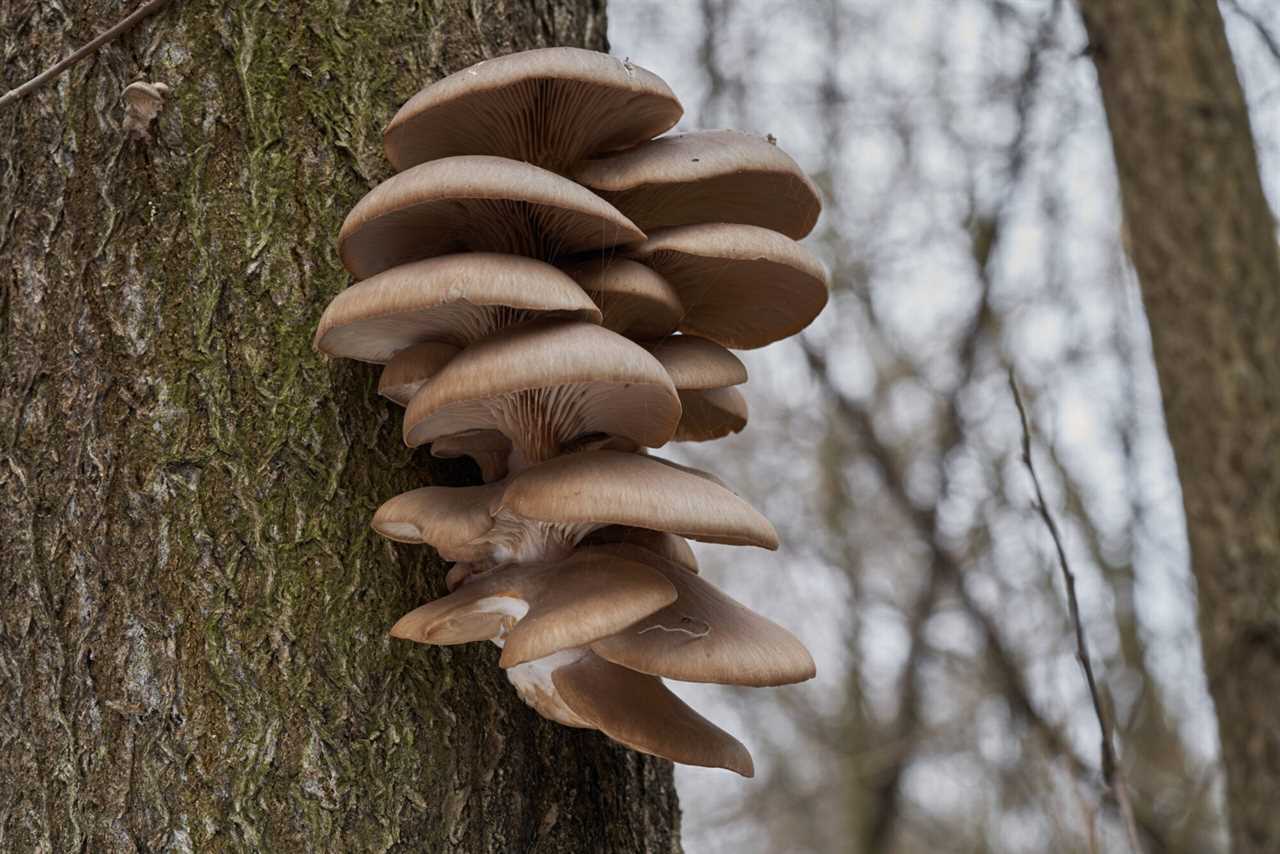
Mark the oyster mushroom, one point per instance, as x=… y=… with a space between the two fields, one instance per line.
x=544 y=385
x=542 y=512
x=550 y=107
x=477 y=204
x=706 y=176
x=741 y=285
x=704 y=374
x=452 y=299
x=634 y=300
x=572 y=555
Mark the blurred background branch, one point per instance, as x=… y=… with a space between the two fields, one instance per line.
x=971 y=226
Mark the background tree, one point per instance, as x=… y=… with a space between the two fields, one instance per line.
x=193 y=611
x=973 y=224
x=1204 y=245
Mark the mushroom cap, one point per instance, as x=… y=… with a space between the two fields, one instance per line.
x=614 y=488
x=704 y=636
x=696 y=363
x=548 y=606
x=544 y=384
x=490 y=449
x=476 y=203
x=710 y=414
x=670 y=546
x=706 y=176
x=548 y=508
x=410 y=368
x=140 y=92
x=452 y=298
x=550 y=107
x=450 y=518
x=742 y=286
x=634 y=300
x=641 y=713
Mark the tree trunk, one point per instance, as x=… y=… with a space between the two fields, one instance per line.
x=1204 y=245
x=193 y=610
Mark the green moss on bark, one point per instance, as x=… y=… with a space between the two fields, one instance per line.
x=193 y=624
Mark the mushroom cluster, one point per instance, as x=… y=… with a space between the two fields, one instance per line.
x=551 y=291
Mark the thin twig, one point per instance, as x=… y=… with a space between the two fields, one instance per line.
x=57 y=68
x=924 y=519
x=1111 y=773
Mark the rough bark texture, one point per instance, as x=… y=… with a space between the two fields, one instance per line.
x=193 y=610
x=1204 y=245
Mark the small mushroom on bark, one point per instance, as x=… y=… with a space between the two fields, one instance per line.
x=142 y=103
x=572 y=555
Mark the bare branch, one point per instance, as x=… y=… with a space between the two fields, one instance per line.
x=57 y=68
x=1111 y=772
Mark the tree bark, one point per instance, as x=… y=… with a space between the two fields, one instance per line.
x=1203 y=242
x=193 y=610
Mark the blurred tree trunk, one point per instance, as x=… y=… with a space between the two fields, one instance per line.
x=193 y=611
x=1204 y=244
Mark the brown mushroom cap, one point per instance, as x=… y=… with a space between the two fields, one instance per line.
x=742 y=286
x=451 y=519
x=544 y=511
x=545 y=384
x=710 y=414
x=410 y=368
x=490 y=449
x=542 y=608
x=550 y=107
x=670 y=546
x=599 y=488
x=634 y=300
x=706 y=176
x=704 y=636
x=477 y=204
x=696 y=363
x=454 y=299
x=639 y=712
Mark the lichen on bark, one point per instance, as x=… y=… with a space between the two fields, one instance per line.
x=193 y=610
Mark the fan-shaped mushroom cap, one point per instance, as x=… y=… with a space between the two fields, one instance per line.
x=639 y=712
x=545 y=384
x=702 y=372
x=742 y=286
x=541 y=513
x=673 y=548
x=599 y=488
x=706 y=176
x=550 y=107
x=452 y=519
x=477 y=204
x=538 y=609
x=454 y=299
x=410 y=368
x=634 y=300
x=696 y=363
x=490 y=449
x=704 y=636
x=710 y=414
